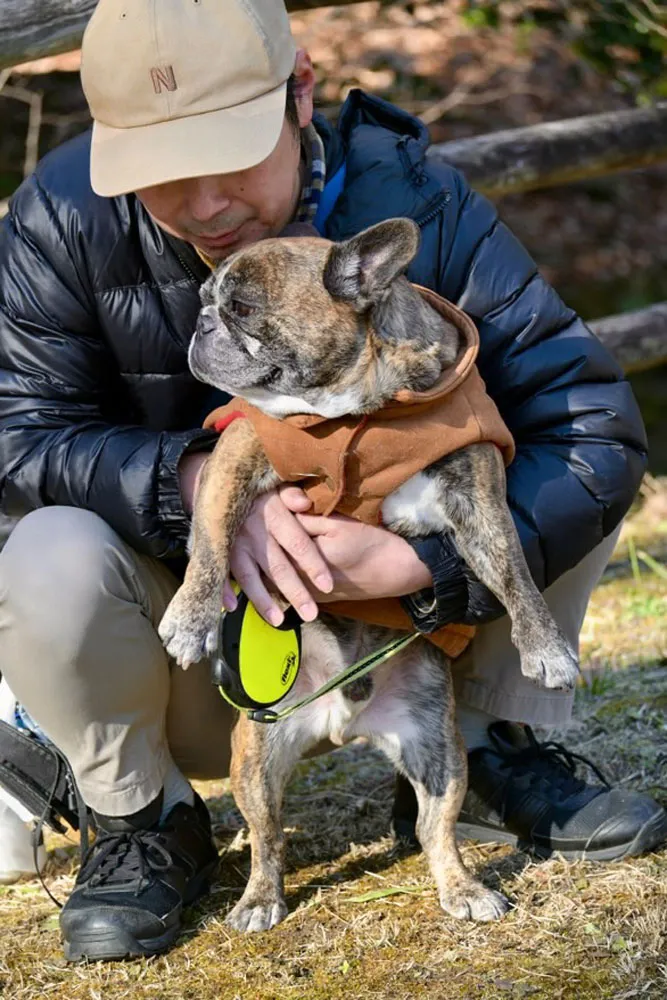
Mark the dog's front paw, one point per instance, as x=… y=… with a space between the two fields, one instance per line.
x=548 y=658
x=552 y=666
x=188 y=628
x=255 y=915
x=561 y=668
x=473 y=901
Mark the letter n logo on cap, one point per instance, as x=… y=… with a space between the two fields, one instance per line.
x=163 y=78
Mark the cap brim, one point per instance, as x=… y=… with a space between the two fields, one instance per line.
x=217 y=142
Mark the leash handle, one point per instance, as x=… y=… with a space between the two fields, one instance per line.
x=356 y=670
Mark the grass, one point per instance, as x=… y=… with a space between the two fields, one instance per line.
x=578 y=931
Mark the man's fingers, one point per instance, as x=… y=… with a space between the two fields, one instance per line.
x=246 y=567
x=274 y=543
x=294 y=499
x=315 y=524
x=285 y=577
x=285 y=529
x=229 y=599
x=246 y=573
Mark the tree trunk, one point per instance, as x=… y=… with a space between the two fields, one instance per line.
x=30 y=29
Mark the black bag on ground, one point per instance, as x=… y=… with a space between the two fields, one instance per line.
x=38 y=775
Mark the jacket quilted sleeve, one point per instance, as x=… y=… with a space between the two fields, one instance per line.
x=581 y=447
x=56 y=446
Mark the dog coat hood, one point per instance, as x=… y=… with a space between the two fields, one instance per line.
x=351 y=464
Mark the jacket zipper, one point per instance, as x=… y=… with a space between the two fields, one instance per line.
x=188 y=270
x=430 y=214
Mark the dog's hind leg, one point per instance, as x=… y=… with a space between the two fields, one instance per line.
x=472 y=493
x=263 y=757
x=414 y=724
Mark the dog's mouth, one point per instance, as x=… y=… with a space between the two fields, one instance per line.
x=234 y=372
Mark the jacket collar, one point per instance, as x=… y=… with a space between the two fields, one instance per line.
x=386 y=172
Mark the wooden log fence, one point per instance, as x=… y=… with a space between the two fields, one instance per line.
x=551 y=153
x=637 y=339
x=30 y=29
x=508 y=161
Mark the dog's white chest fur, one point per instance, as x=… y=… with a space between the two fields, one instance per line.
x=415 y=508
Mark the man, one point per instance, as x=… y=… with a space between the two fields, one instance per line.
x=204 y=141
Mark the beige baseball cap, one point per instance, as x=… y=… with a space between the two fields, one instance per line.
x=183 y=88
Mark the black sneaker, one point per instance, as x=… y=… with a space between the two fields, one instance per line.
x=134 y=882
x=526 y=793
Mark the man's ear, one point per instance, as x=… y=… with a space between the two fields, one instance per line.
x=361 y=270
x=304 y=85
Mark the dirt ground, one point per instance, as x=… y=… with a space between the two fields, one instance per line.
x=578 y=931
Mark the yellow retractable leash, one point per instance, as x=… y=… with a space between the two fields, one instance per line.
x=256 y=664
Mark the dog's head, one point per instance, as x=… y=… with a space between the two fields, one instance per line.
x=303 y=325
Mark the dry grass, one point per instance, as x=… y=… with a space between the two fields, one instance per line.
x=577 y=931
x=626 y=623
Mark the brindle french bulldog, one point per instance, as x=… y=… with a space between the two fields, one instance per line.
x=280 y=326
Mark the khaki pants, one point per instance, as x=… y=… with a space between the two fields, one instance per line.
x=79 y=647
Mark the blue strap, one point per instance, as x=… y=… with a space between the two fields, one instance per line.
x=328 y=199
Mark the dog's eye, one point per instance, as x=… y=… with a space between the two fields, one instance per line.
x=241 y=309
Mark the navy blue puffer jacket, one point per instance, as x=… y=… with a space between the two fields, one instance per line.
x=97 y=307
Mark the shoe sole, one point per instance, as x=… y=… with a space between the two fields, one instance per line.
x=650 y=836
x=116 y=943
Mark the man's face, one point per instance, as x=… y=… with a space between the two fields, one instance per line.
x=221 y=213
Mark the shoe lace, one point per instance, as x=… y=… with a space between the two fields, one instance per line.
x=125 y=858
x=549 y=762
x=119 y=857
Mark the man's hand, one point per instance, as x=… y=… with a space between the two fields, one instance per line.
x=272 y=543
x=309 y=559
x=366 y=561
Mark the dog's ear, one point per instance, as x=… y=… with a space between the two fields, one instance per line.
x=360 y=270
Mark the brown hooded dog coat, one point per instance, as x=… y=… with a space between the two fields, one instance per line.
x=350 y=464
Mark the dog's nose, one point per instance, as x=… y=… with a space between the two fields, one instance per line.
x=207 y=321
